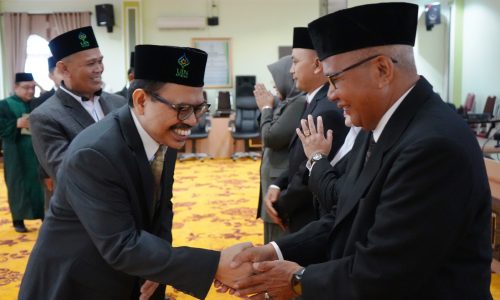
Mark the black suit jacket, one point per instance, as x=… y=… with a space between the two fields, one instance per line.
x=102 y=236
x=414 y=223
x=295 y=205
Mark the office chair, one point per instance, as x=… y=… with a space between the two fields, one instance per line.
x=487 y=115
x=244 y=126
x=223 y=104
x=200 y=131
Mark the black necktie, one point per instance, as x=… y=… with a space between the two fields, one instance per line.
x=370 y=148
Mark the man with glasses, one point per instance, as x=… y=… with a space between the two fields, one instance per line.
x=108 y=231
x=79 y=101
x=24 y=191
x=403 y=226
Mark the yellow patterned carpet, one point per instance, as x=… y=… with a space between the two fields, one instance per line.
x=214 y=201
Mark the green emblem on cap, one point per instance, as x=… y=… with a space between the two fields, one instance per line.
x=183 y=61
x=82 y=36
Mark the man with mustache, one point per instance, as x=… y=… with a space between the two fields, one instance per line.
x=78 y=103
x=107 y=235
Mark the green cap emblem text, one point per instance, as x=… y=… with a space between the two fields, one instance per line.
x=82 y=36
x=183 y=61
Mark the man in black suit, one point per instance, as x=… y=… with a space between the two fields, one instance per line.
x=289 y=202
x=107 y=234
x=412 y=219
x=77 y=103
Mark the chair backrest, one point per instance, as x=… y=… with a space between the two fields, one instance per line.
x=469 y=102
x=245 y=85
x=224 y=101
x=246 y=115
x=489 y=106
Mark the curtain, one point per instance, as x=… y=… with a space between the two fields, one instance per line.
x=66 y=21
x=16 y=32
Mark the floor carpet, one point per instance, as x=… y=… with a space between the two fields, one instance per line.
x=214 y=202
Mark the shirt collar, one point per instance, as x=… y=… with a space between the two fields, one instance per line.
x=78 y=97
x=150 y=145
x=311 y=95
x=387 y=116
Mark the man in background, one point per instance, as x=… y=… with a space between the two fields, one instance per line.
x=24 y=190
x=130 y=76
x=77 y=104
x=289 y=202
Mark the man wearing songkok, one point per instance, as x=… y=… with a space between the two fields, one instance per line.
x=403 y=228
x=289 y=202
x=107 y=234
x=24 y=191
x=78 y=103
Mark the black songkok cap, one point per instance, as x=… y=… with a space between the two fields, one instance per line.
x=20 y=77
x=301 y=38
x=171 y=64
x=364 y=26
x=51 y=62
x=73 y=41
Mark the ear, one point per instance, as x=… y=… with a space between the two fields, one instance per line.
x=62 y=68
x=385 y=70
x=318 y=66
x=139 y=100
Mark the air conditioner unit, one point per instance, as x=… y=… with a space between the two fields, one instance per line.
x=181 y=22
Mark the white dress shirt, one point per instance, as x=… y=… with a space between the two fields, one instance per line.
x=92 y=106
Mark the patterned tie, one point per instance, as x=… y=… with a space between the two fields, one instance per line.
x=370 y=149
x=157 y=168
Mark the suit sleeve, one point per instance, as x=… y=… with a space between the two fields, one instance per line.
x=325 y=182
x=278 y=132
x=49 y=142
x=96 y=192
x=414 y=226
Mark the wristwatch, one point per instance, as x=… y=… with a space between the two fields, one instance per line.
x=316 y=157
x=296 y=281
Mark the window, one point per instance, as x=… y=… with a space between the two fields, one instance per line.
x=36 y=62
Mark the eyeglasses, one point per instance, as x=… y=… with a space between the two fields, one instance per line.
x=184 y=111
x=332 y=78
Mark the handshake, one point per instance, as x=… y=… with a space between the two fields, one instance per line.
x=255 y=273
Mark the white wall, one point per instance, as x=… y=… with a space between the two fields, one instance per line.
x=110 y=44
x=481 y=50
x=256 y=28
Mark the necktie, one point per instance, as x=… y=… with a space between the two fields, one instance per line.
x=370 y=149
x=157 y=169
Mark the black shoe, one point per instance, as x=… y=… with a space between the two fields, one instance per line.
x=19 y=226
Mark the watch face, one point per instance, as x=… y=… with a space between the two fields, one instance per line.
x=317 y=156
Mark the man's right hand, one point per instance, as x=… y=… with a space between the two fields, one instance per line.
x=271 y=197
x=23 y=122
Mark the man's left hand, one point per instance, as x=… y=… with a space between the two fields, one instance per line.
x=148 y=289
x=273 y=277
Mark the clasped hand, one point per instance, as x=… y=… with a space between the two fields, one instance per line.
x=267 y=275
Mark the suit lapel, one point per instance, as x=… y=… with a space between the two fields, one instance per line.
x=134 y=142
x=104 y=102
x=75 y=109
x=356 y=186
x=310 y=108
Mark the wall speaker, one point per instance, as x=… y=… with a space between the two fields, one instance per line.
x=432 y=15
x=213 y=21
x=105 y=16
